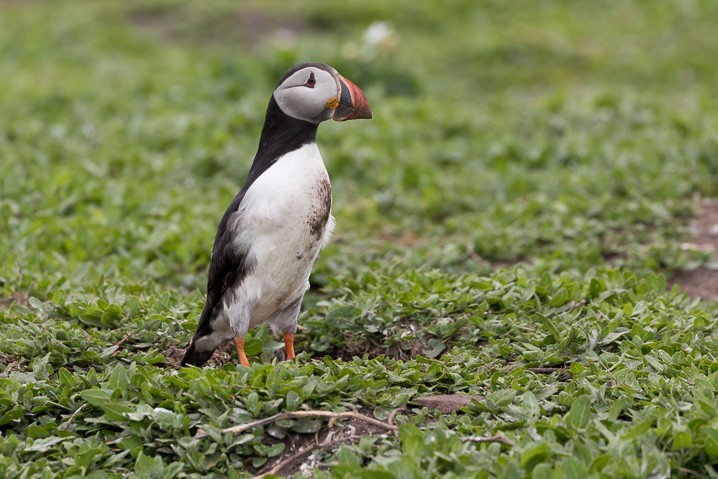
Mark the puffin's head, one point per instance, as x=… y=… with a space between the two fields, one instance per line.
x=315 y=92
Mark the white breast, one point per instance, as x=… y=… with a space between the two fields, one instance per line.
x=284 y=190
x=273 y=227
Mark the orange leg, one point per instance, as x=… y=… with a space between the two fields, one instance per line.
x=289 y=345
x=239 y=342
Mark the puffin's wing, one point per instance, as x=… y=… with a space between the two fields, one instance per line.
x=227 y=267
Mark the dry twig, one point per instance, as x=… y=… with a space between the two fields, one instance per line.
x=689 y=471
x=127 y=337
x=576 y=304
x=391 y=420
x=66 y=425
x=299 y=414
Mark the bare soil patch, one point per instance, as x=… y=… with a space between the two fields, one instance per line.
x=18 y=297
x=446 y=403
x=173 y=356
x=215 y=27
x=303 y=452
x=9 y=363
x=701 y=282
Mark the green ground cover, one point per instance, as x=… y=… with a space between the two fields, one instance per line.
x=516 y=204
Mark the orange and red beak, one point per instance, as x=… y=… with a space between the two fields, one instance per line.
x=352 y=103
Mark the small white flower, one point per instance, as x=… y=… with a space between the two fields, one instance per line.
x=377 y=33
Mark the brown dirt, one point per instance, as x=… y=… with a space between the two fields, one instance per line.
x=173 y=356
x=18 y=297
x=248 y=28
x=16 y=3
x=328 y=439
x=701 y=282
x=348 y=433
x=698 y=283
x=9 y=363
x=446 y=403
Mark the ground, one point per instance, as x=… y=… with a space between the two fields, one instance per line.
x=702 y=281
x=522 y=279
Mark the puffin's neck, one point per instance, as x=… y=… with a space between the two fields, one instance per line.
x=281 y=134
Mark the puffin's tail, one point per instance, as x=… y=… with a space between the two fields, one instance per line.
x=195 y=357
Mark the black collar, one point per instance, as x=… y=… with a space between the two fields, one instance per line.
x=281 y=134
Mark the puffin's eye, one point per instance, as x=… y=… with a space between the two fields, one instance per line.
x=311 y=82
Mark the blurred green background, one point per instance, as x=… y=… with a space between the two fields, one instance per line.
x=509 y=130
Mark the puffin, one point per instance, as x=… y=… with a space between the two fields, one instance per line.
x=271 y=233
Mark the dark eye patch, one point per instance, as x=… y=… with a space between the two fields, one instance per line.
x=311 y=81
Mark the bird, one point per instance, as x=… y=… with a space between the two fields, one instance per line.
x=270 y=235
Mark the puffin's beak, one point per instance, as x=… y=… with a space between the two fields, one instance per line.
x=352 y=104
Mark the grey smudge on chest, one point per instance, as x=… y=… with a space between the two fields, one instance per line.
x=322 y=201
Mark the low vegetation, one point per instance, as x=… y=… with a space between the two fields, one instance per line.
x=502 y=297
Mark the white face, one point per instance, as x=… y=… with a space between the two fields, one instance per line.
x=309 y=94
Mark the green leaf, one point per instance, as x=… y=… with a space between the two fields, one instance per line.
x=549 y=326
x=682 y=440
x=346 y=459
x=66 y=377
x=340 y=317
x=412 y=440
x=500 y=399
x=530 y=404
x=573 y=468
x=638 y=429
x=41 y=367
x=307 y=425
x=44 y=444
x=293 y=401
x=275 y=449
x=11 y=415
x=595 y=288
x=542 y=471
x=533 y=456
x=95 y=397
x=149 y=467
x=579 y=413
